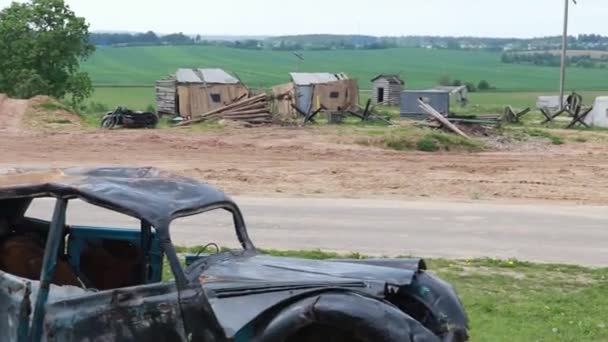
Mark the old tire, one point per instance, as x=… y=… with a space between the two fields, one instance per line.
x=362 y=318
x=108 y=122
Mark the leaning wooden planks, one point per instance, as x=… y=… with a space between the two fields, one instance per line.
x=253 y=110
x=435 y=114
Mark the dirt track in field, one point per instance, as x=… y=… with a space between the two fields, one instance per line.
x=11 y=113
x=276 y=161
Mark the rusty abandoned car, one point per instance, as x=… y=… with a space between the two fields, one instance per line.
x=61 y=282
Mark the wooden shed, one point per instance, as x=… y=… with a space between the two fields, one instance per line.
x=197 y=91
x=310 y=91
x=387 y=90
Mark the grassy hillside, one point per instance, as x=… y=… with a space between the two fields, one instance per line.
x=421 y=67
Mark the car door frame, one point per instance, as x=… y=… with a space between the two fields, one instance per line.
x=122 y=300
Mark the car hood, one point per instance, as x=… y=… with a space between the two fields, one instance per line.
x=257 y=283
x=260 y=270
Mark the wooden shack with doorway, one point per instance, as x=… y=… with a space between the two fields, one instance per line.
x=311 y=91
x=196 y=91
x=387 y=89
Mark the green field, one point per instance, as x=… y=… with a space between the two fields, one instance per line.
x=420 y=67
x=131 y=97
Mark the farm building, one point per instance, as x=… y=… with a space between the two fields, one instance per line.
x=311 y=91
x=387 y=90
x=197 y=91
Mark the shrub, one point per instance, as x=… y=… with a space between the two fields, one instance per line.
x=471 y=87
x=427 y=144
x=97 y=107
x=484 y=85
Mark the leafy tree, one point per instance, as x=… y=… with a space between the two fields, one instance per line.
x=484 y=85
x=177 y=39
x=471 y=87
x=42 y=43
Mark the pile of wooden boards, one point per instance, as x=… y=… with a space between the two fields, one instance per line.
x=440 y=118
x=253 y=110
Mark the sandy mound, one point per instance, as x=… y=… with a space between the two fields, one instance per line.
x=46 y=113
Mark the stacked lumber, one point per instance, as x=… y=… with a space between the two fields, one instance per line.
x=166 y=91
x=253 y=110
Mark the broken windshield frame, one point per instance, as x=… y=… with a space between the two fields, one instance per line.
x=239 y=226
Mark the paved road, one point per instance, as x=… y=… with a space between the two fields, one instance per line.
x=547 y=233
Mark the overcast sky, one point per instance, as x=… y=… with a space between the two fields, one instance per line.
x=489 y=18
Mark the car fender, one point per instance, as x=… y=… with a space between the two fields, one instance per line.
x=369 y=318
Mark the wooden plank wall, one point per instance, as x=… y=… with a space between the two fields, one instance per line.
x=195 y=99
x=166 y=96
x=348 y=95
x=183 y=93
x=283 y=97
x=392 y=92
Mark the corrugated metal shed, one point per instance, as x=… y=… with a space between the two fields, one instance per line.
x=303 y=78
x=438 y=99
x=216 y=76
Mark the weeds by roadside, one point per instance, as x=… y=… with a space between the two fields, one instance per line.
x=418 y=139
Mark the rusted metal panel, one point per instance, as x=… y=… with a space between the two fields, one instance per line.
x=143 y=313
x=15 y=305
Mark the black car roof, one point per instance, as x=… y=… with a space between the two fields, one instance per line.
x=145 y=193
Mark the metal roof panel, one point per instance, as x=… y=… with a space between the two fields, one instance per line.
x=217 y=76
x=303 y=78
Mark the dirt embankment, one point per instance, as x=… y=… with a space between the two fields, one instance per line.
x=46 y=113
x=37 y=113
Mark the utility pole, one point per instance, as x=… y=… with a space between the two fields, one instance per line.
x=562 y=84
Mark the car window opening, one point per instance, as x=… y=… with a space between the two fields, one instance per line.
x=90 y=258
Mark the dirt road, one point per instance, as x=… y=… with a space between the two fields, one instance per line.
x=295 y=162
x=545 y=233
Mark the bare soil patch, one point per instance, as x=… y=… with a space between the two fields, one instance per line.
x=11 y=113
x=320 y=162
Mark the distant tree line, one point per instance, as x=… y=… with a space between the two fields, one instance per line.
x=483 y=85
x=147 y=38
x=351 y=42
x=554 y=60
